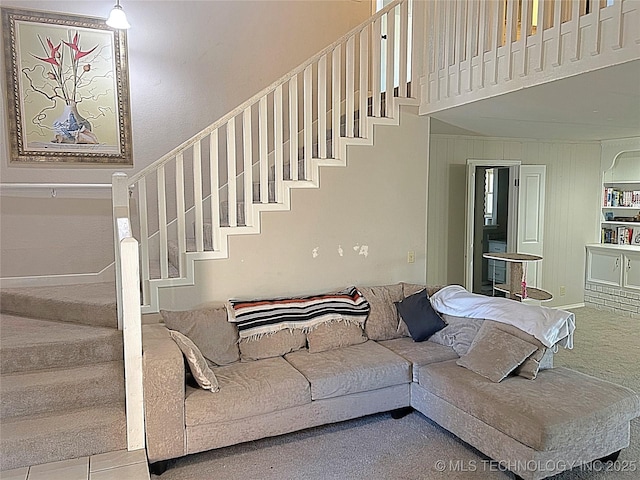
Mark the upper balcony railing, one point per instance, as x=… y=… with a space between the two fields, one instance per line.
x=475 y=49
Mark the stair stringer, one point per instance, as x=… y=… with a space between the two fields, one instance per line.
x=223 y=233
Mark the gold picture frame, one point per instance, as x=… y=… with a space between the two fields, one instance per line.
x=67 y=89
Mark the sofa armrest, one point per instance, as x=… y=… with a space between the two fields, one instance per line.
x=164 y=394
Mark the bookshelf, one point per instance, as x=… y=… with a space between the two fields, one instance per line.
x=620 y=211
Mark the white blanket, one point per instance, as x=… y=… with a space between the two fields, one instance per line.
x=549 y=325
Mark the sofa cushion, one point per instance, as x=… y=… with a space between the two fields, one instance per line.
x=409 y=289
x=419 y=316
x=496 y=353
x=419 y=353
x=209 y=329
x=248 y=389
x=382 y=322
x=200 y=370
x=328 y=336
x=546 y=414
x=272 y=345
x=354 y=369
x=529 y=368
x=458 y=334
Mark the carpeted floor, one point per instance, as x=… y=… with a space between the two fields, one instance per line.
x=378 y=447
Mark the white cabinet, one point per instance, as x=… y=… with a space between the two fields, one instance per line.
x=631 y=271
x=603 y=266
x=615 y=266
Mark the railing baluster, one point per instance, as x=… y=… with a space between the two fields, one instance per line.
x=509 y=39
x=197 y=196
x=376 y=68
x=391 y=33
x=525 y=29
x=144 y=239
x=364 y=81
x=472 y=26
x=322 y=107
x=540 y=34
x=335 y=104
x=618 y=19
x=404 y=34
x=248 y=166
x=496 y=38
x=293 y=127
x=278 y=143
x=162 y=224
x=575 y=26
x=436 y=47
x=460 y=36
x=557 y=29
x=308 y=118
x=448 y=45
x=232 y=193
x=215 y=189
x=264 y=150
x=482 y=42
x=180 y=212
x=596 y=25
x=350 y=85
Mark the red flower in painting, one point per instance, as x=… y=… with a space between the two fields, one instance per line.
x=53 y=54
x=74 y=46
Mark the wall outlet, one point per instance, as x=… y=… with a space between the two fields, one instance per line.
x=563 y=290
x=411 y=256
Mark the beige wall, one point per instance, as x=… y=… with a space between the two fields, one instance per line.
x=571 y=212
x=190 y=62
x=378 y=201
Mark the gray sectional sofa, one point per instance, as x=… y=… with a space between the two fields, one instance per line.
x=292 y=381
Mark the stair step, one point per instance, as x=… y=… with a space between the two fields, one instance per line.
x=29 y=344
x=47 y=391
x=71 y=434
x=89 y=303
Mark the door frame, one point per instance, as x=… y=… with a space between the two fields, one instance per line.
x=512 y=228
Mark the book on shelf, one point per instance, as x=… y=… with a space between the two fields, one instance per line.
x=625 y=235
x=613 y=197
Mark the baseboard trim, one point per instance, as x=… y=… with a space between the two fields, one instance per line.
x=569 y=307
x=107 y=274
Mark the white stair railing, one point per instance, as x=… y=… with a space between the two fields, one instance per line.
x=196 y=195
x=478 y=49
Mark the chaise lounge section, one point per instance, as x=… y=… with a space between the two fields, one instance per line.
x=535 y=428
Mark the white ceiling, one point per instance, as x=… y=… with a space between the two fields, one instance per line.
x=599 y=105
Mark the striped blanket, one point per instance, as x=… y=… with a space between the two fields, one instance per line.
x=255 y=318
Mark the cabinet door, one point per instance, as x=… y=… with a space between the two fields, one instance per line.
x=604 y=267
x=631 y=271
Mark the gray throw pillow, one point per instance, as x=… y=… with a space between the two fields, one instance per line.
x=209 y=329
x=458 y=334
x=496 y=353
x=382 y=322
x=197 y=363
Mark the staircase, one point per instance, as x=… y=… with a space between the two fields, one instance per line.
x=185 y=206
x=61 y=374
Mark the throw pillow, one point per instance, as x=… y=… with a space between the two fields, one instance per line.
x=209 y=329
x=272 y=345
x=458 y=334
x=197 y=363
x=382 y=322
x=419 y=316
x=529 y=369
x=496 y=353
x=330 y=335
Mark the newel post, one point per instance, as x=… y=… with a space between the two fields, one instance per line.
x=120 y=200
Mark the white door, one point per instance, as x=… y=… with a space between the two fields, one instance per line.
x=531 y=218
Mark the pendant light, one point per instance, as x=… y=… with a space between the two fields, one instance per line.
x=117 y=19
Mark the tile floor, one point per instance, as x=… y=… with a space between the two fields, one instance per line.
x=118 y=465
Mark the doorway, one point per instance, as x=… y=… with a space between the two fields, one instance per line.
x=491 y=221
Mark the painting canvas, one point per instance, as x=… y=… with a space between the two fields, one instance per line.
x=67 y=94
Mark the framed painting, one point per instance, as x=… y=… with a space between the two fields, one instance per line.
x=67 y=89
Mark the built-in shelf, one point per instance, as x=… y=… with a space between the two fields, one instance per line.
x=628 y=224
